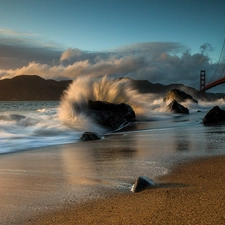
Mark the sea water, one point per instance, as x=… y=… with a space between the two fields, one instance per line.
x=32 y=124
x=57 y=167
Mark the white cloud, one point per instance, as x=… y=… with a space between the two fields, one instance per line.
x=80 y=68
x=17 y=49
x=70 y=53
x=8 y=32
x=157 y=62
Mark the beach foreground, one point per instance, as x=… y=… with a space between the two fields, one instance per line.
x=194 y=193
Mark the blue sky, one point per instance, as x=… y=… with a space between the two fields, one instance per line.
x=47 y=37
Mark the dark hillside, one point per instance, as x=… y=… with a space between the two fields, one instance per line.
x=35 y=88
x=27 y=87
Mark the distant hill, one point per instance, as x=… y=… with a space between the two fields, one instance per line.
x=144 y=86
x=35 y=88
x=31 y=87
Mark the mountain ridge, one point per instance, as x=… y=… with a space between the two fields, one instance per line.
x=36 y=88
x=31 y=87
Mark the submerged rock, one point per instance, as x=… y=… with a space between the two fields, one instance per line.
x=111 y=115
x=214 y=116
x=179 y=96
x=88 y=136
x=175 y=107
x=142 y=183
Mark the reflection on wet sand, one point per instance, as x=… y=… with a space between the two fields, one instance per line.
x=38 y=180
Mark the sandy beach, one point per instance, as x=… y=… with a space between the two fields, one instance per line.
x=193 y=193
x=89 y=182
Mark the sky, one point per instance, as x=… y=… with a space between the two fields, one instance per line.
x=162 y=41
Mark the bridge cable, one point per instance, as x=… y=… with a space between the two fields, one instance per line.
x=217 y=67
x=223 y=70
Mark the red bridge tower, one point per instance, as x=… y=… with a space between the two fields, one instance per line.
x=202 y=79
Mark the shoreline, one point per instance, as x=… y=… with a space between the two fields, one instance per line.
x=192 y=193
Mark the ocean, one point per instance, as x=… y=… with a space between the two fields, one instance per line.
x=44 y=164
x=29 y=125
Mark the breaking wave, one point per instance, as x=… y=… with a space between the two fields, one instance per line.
x=74 y=103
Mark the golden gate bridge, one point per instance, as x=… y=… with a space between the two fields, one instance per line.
x=219 y=74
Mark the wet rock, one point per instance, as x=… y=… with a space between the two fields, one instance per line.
x=214 y=116
x=179 y=96
x=175 y=107
x=111 y=115
x=88 y=136
x=142 y=183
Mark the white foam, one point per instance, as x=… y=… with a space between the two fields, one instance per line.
x=33 y=129
x=74 y=103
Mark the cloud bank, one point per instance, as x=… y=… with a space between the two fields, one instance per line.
x=158 y=62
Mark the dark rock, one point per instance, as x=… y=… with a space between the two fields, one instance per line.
x=214 y=116
x=179 y=96
x=88 y=136
x=175 y=107
x=17 y=117
x=110 y=114
x=142 y=183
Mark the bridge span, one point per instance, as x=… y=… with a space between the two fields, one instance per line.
x=219 y=75
x=204 y=88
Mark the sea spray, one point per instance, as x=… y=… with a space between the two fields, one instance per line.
x=74 y=103
x=30 y=125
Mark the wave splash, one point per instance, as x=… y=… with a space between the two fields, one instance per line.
x=74 y=103
x=30 y=129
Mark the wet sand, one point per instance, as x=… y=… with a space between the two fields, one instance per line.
x=193 y=193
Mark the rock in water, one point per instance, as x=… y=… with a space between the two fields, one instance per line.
x=175 y=107
x=88 y=136
x=142 y=183
x=214 y=116
x=110 y=114
x=178 y=95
